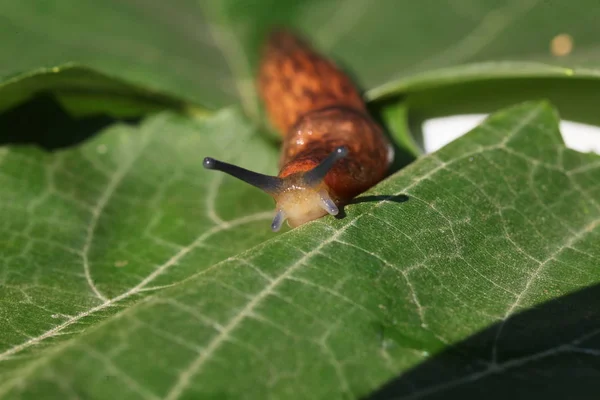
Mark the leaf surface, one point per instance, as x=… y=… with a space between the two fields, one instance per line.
x=206 y=51
x=83 y=91
x=128 y=271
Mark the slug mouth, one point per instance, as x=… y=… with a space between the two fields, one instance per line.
x=300 y=197
x=302 y=205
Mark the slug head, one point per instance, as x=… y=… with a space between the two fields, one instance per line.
x=299 y=197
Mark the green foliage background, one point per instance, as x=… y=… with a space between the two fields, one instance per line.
x=128 y=271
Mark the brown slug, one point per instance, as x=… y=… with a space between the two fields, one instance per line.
x=332 y=149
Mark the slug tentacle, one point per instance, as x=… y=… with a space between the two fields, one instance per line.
x=327 y=204
x=332 y=149
x=299 y=196
x=317 y=174
x=278 y=220
x=267 y=183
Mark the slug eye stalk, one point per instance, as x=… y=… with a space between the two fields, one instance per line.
x=315 y=176
x=274 y=185
x=266 y=183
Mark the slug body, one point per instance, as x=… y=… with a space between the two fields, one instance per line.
x=332 y=149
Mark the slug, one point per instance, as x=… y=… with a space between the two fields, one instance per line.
x=332 y=149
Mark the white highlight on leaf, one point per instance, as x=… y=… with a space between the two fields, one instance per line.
x=438 y=132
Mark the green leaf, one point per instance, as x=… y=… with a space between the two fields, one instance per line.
x=413 y=40
x=83 y=91
x=64 y=105
x=206 y=51
x=128 y=271
x=457 y=57
x=477 y=88
x=160 y=47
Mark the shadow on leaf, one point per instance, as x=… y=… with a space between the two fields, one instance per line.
x=44 y=122
x=401 y=198
x=551 y=351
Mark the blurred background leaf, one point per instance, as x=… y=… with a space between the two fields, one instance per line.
x=206 y=51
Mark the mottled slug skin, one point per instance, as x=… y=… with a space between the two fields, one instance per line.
x=316 y=108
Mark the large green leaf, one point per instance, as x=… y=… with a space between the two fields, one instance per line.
x=206 y=50
x=128 y=271
x=84 y=91
x=162 y=46
x=61 y=106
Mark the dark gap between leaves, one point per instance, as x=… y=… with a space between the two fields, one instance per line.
x=402 y=156
x=43 y=121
